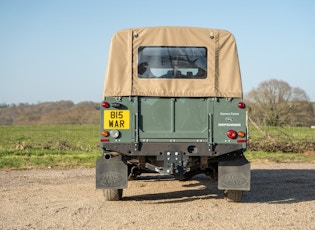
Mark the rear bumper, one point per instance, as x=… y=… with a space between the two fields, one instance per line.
x=189 y=148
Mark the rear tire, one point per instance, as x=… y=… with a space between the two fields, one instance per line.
x=112 y=194
x=233 y=195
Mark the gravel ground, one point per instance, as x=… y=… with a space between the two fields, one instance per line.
x=282 y=197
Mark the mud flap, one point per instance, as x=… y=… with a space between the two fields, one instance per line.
x=111 y=173
x=234 y=175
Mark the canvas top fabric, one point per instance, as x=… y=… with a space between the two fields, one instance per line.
x=222 y=79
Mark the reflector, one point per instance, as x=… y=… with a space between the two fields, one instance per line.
x=241 y=141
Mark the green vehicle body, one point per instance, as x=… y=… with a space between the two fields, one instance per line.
x=173 y=135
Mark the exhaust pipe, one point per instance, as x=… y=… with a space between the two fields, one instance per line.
x=109 y=155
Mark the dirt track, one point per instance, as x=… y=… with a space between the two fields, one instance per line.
x=282 y=197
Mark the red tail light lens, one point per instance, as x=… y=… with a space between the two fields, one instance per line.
x=241 y=105
x=105 y=104
x=231 y=134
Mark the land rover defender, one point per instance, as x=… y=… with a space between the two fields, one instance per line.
x=173 y=105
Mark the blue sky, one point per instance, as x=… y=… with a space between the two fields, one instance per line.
x=57 y=50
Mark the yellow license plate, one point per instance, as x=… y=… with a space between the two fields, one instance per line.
x=116 y=119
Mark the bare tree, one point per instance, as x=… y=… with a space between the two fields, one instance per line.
x=276 y=103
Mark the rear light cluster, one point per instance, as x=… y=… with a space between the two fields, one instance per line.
x=112 y=133
x=106 y=105
x=232 y=134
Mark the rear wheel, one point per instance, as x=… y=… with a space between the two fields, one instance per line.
x=112 y=194
x=233 y=195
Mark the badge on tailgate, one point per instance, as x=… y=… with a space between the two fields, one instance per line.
x=116 y=119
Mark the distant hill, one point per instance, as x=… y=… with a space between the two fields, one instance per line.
x=60 y=112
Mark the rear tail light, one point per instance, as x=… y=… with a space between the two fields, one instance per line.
x=105 y=104
x=231 y=134
x=241 y=105
x=113 y=133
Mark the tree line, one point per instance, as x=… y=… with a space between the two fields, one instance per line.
x=276 y=103
x=272 y=103
x=60 y=112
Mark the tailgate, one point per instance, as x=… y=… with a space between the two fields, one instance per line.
x=175 y=119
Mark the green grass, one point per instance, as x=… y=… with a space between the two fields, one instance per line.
x=53 y=146
x=283 y=133
x=74 y=137
x=70 y=146
x=49 y=159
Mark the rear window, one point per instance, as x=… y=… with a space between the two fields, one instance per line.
x=172 y=62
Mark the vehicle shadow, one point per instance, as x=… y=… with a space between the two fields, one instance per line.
x=281 y=186
x=200 y=187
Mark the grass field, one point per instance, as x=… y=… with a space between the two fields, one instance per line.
x=52 y=146
x=68 y=146
x=283 y=133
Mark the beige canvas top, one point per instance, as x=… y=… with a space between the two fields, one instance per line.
x=223 y=72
